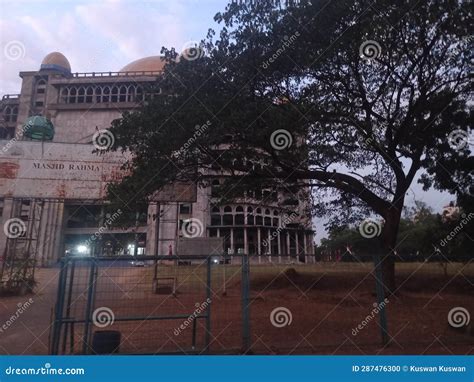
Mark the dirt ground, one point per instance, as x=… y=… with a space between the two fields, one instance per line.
x=322 y=305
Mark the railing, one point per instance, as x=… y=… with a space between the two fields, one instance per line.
x=116 y=74
x=11 y=96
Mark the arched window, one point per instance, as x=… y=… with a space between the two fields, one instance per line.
x=41 y=87
x=115 y=91
x=72 y=95
x=259 y=218
x=250 y=217
x=81 y=95
x=216 y=218
x=228 y=218
x=131 y=90
x=123 y=94
x=106 y=94
x=215 y=188
x=14 y=115
x=64 y=95
x=139 y=94
x=89 y=94
x=7 y=114
x=98 y=94
x=239 y=215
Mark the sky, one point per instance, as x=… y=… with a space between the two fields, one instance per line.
x=105 y=35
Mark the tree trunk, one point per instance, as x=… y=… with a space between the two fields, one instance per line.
x=389 y=241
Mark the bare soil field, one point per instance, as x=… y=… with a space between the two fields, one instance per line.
x=323 y=304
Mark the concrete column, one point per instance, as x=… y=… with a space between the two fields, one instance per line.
x=246 y=243
x=7 y=214
x=259 y=244
x=42 y=237
x=168 y=228
x=152 y=229
x=269 y=248
x=279 y=247
x=297 y=246
x=305 y=248
x=288 y=245
x=58 y=228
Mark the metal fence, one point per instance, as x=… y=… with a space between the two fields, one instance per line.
x=223 y=304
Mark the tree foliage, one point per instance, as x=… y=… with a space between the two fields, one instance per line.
x=368 y=94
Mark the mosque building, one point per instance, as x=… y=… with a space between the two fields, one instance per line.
x=53 y=184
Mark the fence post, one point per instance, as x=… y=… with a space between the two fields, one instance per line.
x=379 y=287
x=245 y=304
x=208 y=298
x=90 y=296
x=58 y=314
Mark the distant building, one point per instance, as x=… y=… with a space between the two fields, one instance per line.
x=55 y=184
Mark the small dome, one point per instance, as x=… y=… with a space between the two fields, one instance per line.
x=38 y=128
x=56 y=61
x=146 y=64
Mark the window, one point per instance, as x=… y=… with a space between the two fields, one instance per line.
x=7 y=114
x=123 y=94
x=10 y=113
x=228 y=218
x=64 y=95
x=39 y=103
x=216 y=219
x=239 y=216
x=41 y=87
x=215 y=188
x=115 y=91
x=72 y=95
x=89 y=94
x=185 y=208
x=81 y=95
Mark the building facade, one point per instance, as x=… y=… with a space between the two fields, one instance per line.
x=54 y=189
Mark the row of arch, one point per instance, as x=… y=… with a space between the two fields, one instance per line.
x=238 y=215
x=101 y=94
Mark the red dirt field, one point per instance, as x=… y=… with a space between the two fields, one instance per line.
x=326 y=303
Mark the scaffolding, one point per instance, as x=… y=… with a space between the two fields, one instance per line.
x=20 y=255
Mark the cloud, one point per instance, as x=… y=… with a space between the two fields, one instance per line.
x=94 y=36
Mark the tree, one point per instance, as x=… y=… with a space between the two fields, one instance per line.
x=348 y=99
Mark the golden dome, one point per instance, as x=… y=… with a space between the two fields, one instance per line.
x=146 y=64
x=56 y=60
